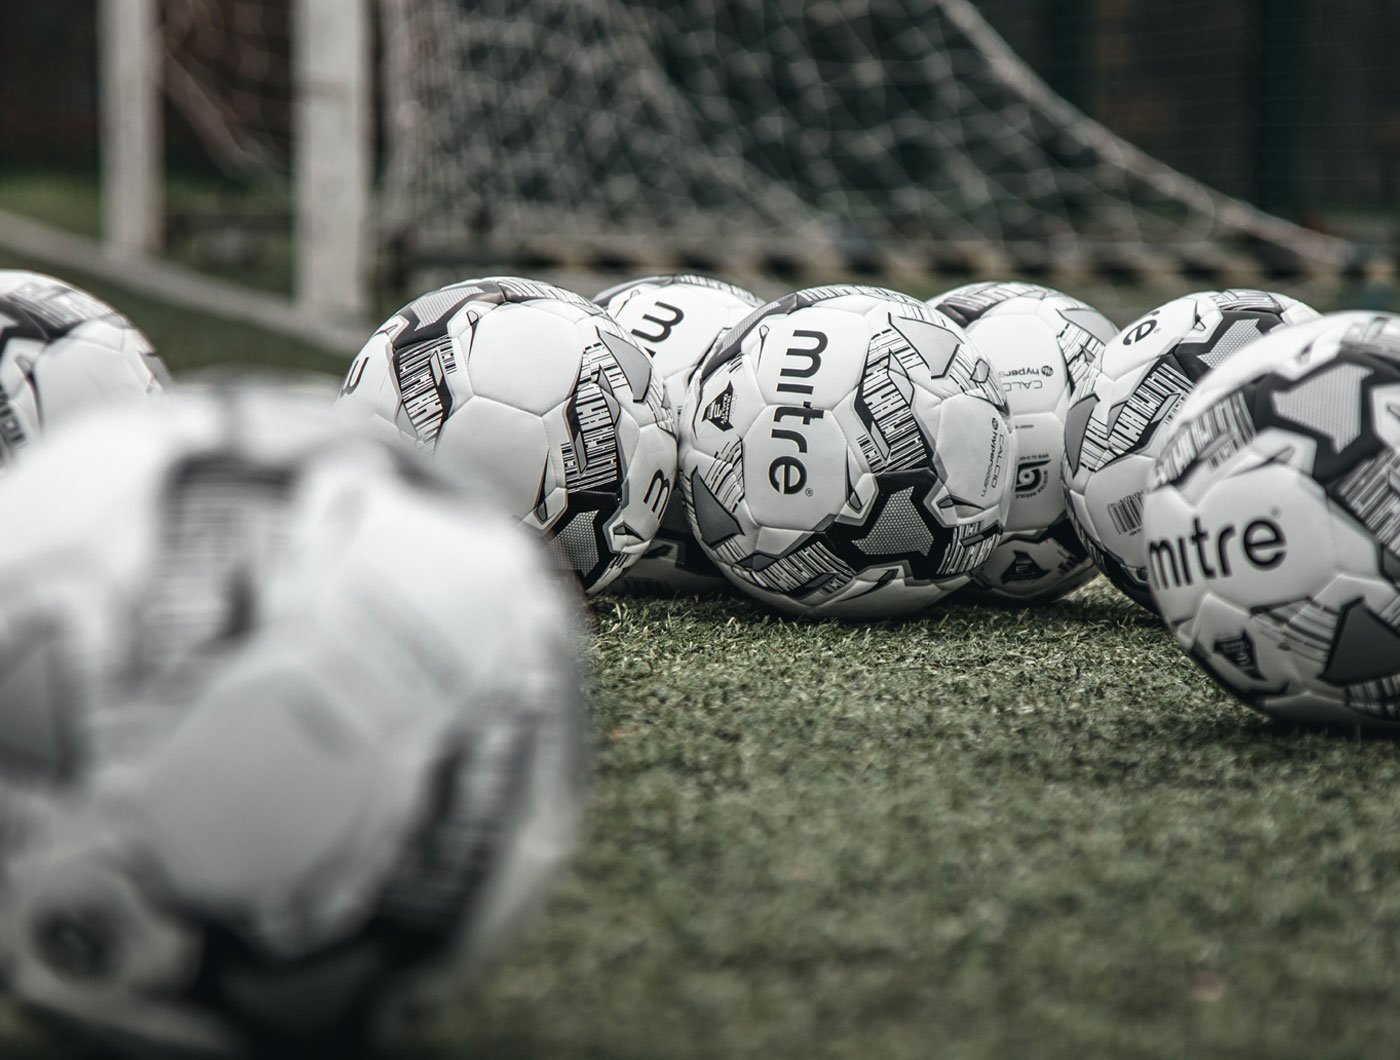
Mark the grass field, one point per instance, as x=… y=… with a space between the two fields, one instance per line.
x=981 y=834
x=190 y=341
x=984 y=833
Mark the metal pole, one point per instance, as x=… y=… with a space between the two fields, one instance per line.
x=332 y=151
x=132 y=143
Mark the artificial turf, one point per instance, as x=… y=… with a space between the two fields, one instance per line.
x=985 y=833
x=982 y=833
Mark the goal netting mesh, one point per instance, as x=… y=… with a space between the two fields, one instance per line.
x=228 y=74
x=796 y=127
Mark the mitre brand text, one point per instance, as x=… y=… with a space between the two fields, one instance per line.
x=1209 y=554
x=803 y=359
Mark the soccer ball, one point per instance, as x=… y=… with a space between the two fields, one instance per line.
x=1273 y=522
x=1041 y=343
x=677 y=320
x=62 y=352
x=847 y=452
x=1114 y=427
x=290 y=732
x=538 y=391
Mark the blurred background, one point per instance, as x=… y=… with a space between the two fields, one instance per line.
x=334 y=157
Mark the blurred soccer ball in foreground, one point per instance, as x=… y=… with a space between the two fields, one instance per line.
x=1114 y=428
x=847 y=452
x=540 y=392
x=1042 y=344
x=285 y=725
x=1273 y=522
x=677 y=320
x=62 y=352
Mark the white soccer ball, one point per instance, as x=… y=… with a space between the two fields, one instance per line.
x=1273 y=522
x=1042 y=344
x=63 y=352
x=848 y=452
x=290 y=732
x=538 y=391
x=677 y=320
x=1117 y=423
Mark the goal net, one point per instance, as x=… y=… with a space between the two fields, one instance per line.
x=228 y=74
x=875 y=133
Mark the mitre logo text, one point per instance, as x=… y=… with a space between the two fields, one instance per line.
x=803 y=359
x=1173 y=562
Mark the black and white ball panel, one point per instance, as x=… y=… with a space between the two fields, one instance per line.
x=847 y=452
x=1274 y=522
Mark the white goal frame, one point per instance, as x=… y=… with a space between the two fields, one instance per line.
x=332 y=149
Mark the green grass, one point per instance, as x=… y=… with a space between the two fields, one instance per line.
x=261 y=250
x=986 y=833
x=190 y=340
x=64 y=198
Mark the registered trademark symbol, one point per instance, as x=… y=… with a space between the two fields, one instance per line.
x=809 y=493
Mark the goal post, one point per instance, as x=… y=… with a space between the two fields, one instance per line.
x=332 y=163
x=132 y=141
x=332 y=152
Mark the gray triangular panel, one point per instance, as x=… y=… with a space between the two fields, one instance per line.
x=1326 y=403
x=34 y=734
x=1390 y=564
x=1237 y=336
x=1076 y=423
x=716 y=524
x=576 y=543
x=758 y=561
x=541 y=494
x=1092 y=321
x=936 y=345
x=898 y=530
x=635 y=364
x=1364 y=648
x=1114 y=411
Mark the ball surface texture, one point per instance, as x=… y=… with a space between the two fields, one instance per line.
x=676 y=320
x=62 y=353
x=847 y=452
x=539 y=392
x=289 y=730
x=1273 y=522
x=1115 y=428
x=1042 y=344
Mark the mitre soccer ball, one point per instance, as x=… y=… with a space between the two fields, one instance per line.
x=1115 y=426
x=1273 y=522
x=289 y=730
x=847 y=452
x=677 y=320
x=62 y=352
x=538 y=391
x=1041 y=343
